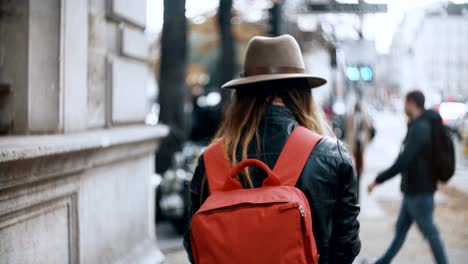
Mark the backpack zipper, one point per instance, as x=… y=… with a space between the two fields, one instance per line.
x=236 y=207
x=283 y=207
x=301 y=209
x=293 y=205
x=306 y=240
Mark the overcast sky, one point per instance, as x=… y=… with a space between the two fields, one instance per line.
x=379 y=27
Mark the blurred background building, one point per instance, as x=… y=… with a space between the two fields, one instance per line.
x=429 y=51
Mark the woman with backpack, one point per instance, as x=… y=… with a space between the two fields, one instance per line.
x=272 y=187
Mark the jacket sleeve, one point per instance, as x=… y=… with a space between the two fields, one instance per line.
x=418 y=137
x=195 y=202
x=347 y=244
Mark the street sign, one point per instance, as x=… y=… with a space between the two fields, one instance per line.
x=361 y=8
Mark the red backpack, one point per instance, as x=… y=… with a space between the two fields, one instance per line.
x=270 y=224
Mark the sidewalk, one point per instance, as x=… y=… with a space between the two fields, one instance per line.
x=451 y=217
x=177 y=257
x=460 y=182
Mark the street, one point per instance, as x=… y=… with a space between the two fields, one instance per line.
x=379 y=210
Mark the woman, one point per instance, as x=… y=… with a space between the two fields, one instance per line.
x=358 y=135
x=271 y=99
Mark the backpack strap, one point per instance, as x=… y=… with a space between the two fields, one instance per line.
x=289 y=165
x=216 y=165
x=295 y=154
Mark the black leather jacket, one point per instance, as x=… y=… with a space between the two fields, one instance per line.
x=327 y=180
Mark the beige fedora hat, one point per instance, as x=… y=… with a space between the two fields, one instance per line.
x=277 y=58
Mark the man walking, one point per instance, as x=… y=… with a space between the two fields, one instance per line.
x=417 y=184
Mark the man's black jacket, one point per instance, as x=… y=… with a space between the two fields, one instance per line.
x=413 y=162
x=327 y=180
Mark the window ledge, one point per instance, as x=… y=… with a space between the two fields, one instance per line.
x=13 y=148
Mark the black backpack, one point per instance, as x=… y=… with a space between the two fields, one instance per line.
x=443 y=150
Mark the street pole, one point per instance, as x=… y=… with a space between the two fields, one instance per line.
x=276 y=19
x=227 y=62
x=172 y=81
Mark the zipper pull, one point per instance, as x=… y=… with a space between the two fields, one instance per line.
x=301 y=209
x=293 y=205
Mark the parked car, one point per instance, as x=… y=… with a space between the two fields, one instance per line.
x=451 y=112
x=173 y=194
x=463 y=128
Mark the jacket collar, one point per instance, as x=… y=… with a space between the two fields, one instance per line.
x=278 y=111
x=417 y=119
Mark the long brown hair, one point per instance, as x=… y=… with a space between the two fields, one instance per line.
x=248 y=104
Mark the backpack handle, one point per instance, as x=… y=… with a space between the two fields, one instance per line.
x=233 y=184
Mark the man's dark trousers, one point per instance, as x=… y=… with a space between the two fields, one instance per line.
x=418 y=208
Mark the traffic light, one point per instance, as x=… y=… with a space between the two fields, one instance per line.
x=366 y=74
x=356 y=73
x=352 y=73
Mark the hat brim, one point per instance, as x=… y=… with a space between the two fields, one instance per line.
x=313 y=81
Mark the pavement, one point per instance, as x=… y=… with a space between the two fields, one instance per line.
x=379 y=210
x=170 y=244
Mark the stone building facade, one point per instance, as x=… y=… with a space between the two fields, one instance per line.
x=76 y=158
x=429 y=51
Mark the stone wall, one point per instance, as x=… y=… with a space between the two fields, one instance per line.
x=77 y=164
x=102 y=42
x=78 y=198
x=117 y=52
